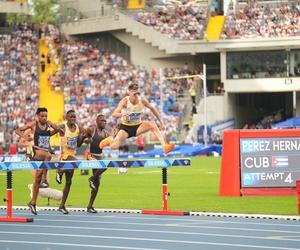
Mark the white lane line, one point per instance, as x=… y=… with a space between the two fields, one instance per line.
x=275 y=238
x=152 y=239
x=284 y=237
x=170 y=225
x=147 y=172
x=192 y=213
x=75 y=245
x=162 y=218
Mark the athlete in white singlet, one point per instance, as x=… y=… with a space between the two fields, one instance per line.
x=130 y=111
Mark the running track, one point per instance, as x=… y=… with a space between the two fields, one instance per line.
x=79 y=230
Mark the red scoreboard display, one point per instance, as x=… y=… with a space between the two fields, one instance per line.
x=260 y=162
x=269 y=162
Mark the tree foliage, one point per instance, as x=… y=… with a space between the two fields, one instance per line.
x=42 y=11
x=15 y=19
x=45 y=11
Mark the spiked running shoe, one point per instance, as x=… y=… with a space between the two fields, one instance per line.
x=44 y=184
x=169 y=147
x=91 y=210
x=63 y=210
x=32 y=208
x=105 y=142
x=58 y=177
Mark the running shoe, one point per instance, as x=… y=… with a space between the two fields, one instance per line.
x=92 y=183
x=44 y=184
x=169 y=147
x=58 y=177
x=91 y=210
x=105 y=142
x=32 y=208
x=63 y=210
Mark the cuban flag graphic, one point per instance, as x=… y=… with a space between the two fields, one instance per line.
x=280 y=161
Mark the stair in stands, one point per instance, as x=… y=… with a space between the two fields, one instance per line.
x=114 y=20
x=48 y=94
x=214 y=27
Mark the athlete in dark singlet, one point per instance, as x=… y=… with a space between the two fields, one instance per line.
x=41 y=147
x=94 y=135
x=28 y=144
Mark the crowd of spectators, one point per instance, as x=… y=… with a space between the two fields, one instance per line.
x=266 y=121
x=95 y=80
x=180 y=22
x=254 y=19
x=19 y=83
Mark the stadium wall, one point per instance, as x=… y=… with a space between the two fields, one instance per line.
x=145 y=55
x=282 y=84
x=13 y=7
x=85 y=6
x=218 y=108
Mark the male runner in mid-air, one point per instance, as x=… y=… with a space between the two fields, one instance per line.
x=94 y=135
x=130 y=110
x=70 y=133
x=41 y=146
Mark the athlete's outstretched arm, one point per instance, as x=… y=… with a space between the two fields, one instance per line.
x=85 y=136
x=53 y=125
x=118 y=111
x=154 y=112
x=20 y=130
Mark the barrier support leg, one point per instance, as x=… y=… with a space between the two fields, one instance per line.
x=9 y=217
x=165 y=195
x=298 y=194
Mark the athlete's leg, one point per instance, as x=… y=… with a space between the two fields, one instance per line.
x=121 y=136
x=108 y=140
x=151 y=126
x=96 y=174
x=32 y=172
x=44 y=182
x=39 y=156
x=59 y=174
x=94 y=191
x=36 y=185
x=69 y=175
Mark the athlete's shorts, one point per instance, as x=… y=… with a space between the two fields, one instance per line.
x=130 y=130
x=35 y=149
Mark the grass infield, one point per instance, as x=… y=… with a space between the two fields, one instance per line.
x=192 y=188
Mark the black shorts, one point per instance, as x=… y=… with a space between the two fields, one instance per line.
x=35 y=148
x=130 y=130
x=92 y=156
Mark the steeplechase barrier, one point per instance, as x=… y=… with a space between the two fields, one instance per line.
x=163 y=163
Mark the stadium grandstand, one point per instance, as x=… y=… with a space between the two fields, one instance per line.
x=94 y=49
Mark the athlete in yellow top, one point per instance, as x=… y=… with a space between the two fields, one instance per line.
x=130 y=111
x=71 y=135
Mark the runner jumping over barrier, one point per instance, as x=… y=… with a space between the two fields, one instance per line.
x=94 y=164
